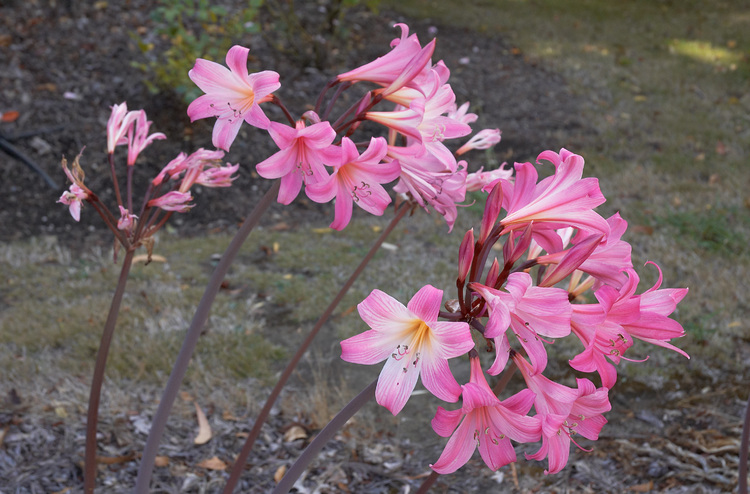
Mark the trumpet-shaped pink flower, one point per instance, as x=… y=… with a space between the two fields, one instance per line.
x=562 y=200
x=73 y=199
x=386 y=69
x=119 y=123
x=430 y=182
x=173 y=201
x=183 y=163
x=218 y=176
x=412 y=342
x=485 y=180
x=127 y=220
x=357 y=179
x=486 y=423
x=484 y=139
x=138 y=137
x=232 y=95
x=529 y=311
x=304 y=152
x=656 y=304
x=564 y=412
x=609 y=259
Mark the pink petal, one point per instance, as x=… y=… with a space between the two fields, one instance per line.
x=369 y=347
x=445 y=421
x=438 y=379
x=425 y=304
x=225 y=131
x=396 y=383
x=385 y=314
x=459 y=449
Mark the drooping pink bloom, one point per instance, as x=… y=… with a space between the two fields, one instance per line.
x=485 y=180
x=119 y=123
x=562 y=200
x=430 y=182
x=304 y=152
x=232 y=95
x=530 y=312
x=182 y=163
x=484 y=139
x=73 y=198
x=412 y=342
x=357 y=180
x=654 y=325
x=218 y=176
x=563 y=412
x=386 y=69
x=460 y=113
x=126 y=221
x=608 y=261
x=173 y=201
x=486 y=423
x=138 y=137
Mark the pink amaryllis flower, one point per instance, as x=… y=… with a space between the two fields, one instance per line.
x=563 y=412
x=138 y=137
x=429 y=181
x=412 y=342
x=73 y=198
x=486 y=423
x=173 y=201
x=127 y=220
x=485 y=180
x=386 y=69
x=218 y=176
x=530 y=312
x=357 y=179
x=119 y=123
x=304 y=152
x=484 y=139
x=232 y=95
x=562 y=200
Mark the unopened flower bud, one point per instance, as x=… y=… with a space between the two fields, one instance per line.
x=465 y=255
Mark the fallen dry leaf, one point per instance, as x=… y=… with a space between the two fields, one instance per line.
x=295 y=432
x=212 y=464
x=154 y=258
x=9 y=116
x=204 y=429
x=161 y=461
x=114 y=460
x=279 y=473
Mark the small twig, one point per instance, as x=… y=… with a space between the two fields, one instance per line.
x=428 y=482
x=16 y=153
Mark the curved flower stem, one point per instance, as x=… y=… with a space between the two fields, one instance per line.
x=191 y=340
x=742 y=484
x=312 y=450
x=89 y=469
x=428 y=482
x=239 y=463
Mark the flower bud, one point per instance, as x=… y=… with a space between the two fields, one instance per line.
x=465 y=255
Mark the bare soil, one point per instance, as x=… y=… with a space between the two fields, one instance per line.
x=62 y=68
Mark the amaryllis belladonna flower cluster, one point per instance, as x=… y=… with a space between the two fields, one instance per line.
x=321 y=153
x=554 y=248
x=168 y=192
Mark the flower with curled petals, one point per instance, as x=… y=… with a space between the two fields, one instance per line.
x=232 y=95
x=357 y=180
x=412 y=342
x=486 y=423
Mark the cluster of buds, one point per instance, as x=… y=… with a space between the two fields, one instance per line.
x=318 y=151
x=555 y=247
x=168 y=192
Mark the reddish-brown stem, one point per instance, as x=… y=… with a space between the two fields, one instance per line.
x=115 y=183
x=276 y=101
x=89 y=469
x=200 y=317
x=428 y=482
x=263 y=415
